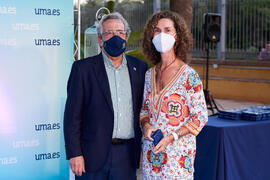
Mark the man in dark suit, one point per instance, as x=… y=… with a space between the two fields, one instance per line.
x=101 y=120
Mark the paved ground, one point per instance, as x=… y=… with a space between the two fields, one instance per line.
x=221 y=104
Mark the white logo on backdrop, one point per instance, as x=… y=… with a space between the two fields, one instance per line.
x=8 y=160
x=7 y=10
x=25 y=143
x=8 y=42
x=26 y=27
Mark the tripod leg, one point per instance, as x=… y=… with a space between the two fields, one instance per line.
x=212 y=99
x=211 y=106
x=208 y=101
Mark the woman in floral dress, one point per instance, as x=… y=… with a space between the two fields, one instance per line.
x=173 y=100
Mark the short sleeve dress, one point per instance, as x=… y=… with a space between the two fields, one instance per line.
x=180 y=103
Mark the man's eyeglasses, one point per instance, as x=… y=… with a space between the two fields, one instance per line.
x=111 y=33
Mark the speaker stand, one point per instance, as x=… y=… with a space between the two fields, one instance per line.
x=210 y=102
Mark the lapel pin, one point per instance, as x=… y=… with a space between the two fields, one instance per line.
x=134 y=68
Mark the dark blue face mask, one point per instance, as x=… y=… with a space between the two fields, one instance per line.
x=115 y=46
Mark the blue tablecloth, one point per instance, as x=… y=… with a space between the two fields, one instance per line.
x=233 y=150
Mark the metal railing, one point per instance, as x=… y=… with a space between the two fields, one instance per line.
x=247 y=24
x=247 y=27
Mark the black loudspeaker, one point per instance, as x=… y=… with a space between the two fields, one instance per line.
x=212 y=22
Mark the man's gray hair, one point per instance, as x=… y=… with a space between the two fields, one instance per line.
x=114 y=15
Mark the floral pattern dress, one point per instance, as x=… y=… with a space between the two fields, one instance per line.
x=180 y=103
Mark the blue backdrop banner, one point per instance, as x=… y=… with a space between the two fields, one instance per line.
x=36 y=53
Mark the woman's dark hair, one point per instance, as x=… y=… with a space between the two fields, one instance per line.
x=183 y=43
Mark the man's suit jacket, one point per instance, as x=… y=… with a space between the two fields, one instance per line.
x=89 y=117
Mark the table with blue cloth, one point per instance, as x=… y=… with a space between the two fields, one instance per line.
x=233 y=150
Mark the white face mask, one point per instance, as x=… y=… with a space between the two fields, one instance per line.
x=163 y=42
